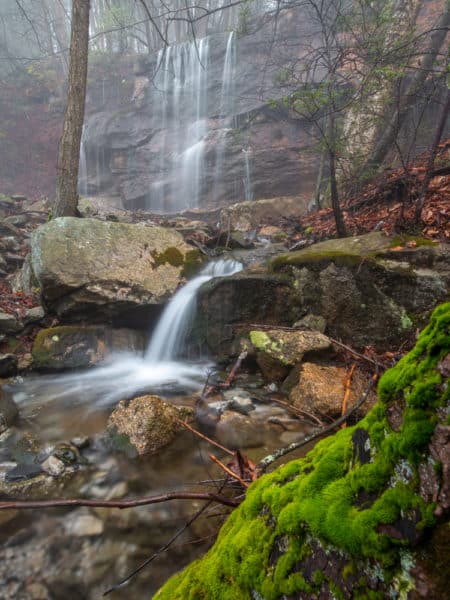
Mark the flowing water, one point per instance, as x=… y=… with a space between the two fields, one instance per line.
x=126 y=375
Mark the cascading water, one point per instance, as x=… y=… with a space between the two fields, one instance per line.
x=127 y=375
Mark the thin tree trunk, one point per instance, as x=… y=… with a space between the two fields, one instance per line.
x=340 y=227
x=69 y=149
x=319 y=180
x=394 y=124
x=433 y=152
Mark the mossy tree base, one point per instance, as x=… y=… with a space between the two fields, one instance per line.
x=346 y=520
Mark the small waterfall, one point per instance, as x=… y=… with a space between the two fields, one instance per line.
x=128 y=375
x=168 y=339
x=248 y=185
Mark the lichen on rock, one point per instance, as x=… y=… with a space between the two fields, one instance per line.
x=345 y=521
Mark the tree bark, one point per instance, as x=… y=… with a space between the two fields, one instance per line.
x=400 y=112
x=69 y=149
x=340 y=227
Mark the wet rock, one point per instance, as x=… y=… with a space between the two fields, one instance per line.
x=25 y=361
x=321 y=388
x=80 y=441
x=228 y=302
x=147 y=421
x=119 y=267
x=32 y=315
x=288 y=347
x=239 y=401
x=22 y=472
x=9 y=323
x=37 y=591
x=53 y=466
x=72 y=346
x=83 y=524
x=8 y=409
x=8 y=365
x=239 y=431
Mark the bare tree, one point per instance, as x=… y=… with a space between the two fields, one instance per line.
x=69 y=150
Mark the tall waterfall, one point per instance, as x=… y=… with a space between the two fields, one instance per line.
x=127 y=375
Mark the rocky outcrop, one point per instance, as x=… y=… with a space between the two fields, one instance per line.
x=89 y=268
x=75 y=347
x=346 y=521
x=370 y=289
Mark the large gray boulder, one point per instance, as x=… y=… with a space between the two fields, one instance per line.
x=87 y=267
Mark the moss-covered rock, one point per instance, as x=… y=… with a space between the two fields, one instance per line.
x=345 y=521
x=74 y=347
x=87 y=266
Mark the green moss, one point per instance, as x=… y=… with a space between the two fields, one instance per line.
x=189 y=263
x=401 y=240
x=319 y=498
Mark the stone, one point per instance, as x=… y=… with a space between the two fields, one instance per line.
x=32 y=315
x=148 y=422
x=37 y=591
x=288 y=347
x=118 y=267
x=321 y=388
x=53 y=466
x=234 y=430
x=8 y=410
x=22 y=472
x=83 y=524
x=8 y=365
x=314 y=322
x=76 y=346
x=245 y=216
x=9 y=323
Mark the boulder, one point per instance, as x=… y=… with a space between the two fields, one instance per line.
x=370 y=289
x=227 y=304
x=148 y=422
x=321 y=388
x=245 y=216
x=74 y=347
x=87 y=267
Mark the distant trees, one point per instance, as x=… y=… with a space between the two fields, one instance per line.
x=357 y=75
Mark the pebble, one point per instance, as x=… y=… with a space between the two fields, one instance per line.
x=84 y=525
x=53 y=466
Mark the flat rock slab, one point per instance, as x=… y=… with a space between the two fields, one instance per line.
x=288 y=347
x=91 y=266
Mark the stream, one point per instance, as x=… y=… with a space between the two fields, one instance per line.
x=63 y=554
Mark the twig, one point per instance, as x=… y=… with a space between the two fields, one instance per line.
x=229 y=380
x=348 y=389
x=271 y=458
x=297 y=411
x=119 y=504
x=228 y=470
x=203 y=437
x=158 y=552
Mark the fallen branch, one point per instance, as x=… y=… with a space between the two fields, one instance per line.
x=348 y=389
x=203 y=436
x=208 y=497
x=228 y=470
x=271 y=458
x=207 y=390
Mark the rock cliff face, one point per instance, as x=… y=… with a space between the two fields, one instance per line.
x=347 y=520
x=200 y=127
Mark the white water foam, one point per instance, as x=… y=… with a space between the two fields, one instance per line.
x=127 y=375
